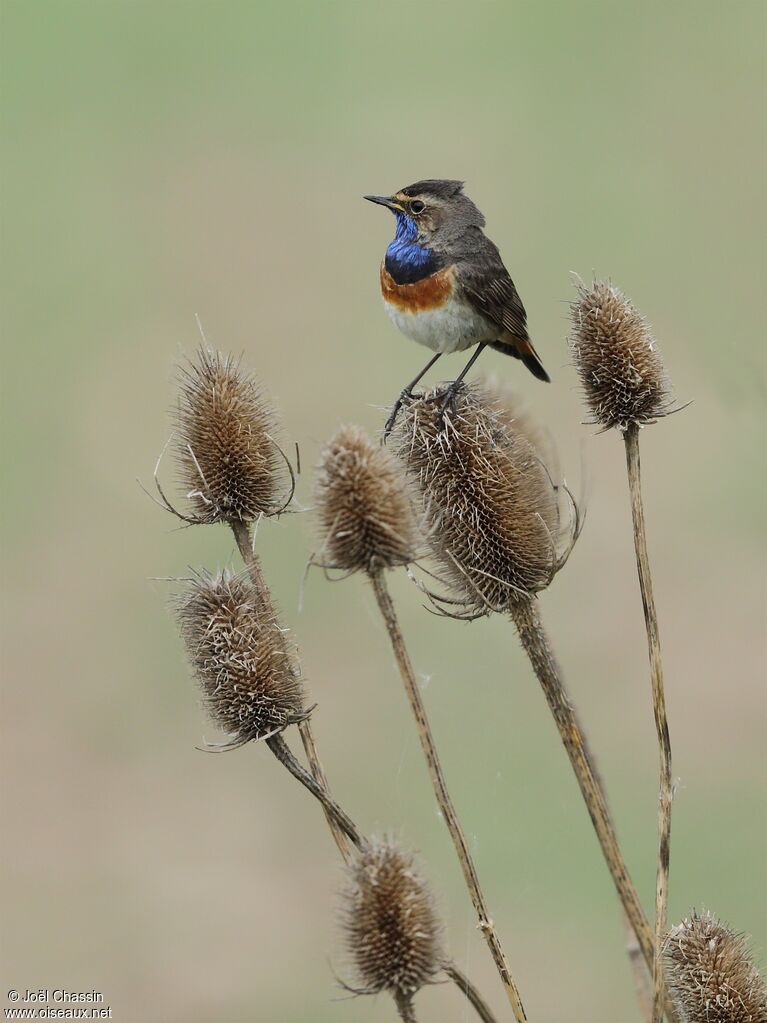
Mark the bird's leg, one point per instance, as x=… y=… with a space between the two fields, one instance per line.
x=407 y=392
x=448 y=398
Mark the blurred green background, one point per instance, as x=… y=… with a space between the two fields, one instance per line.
x=167 y=159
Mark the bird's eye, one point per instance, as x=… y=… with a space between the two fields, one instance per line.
x=416 y=206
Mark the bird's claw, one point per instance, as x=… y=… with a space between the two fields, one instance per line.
x=448 y=401
x=404 y=395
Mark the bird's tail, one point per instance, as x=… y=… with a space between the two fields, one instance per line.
x=521 y=348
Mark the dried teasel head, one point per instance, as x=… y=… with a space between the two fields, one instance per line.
x=710 y=974
x=364 y=507
x=241 y=657
x=497 y=524
x=392 y=932
x=515 y=415
x=617 y=360
x=229 y=465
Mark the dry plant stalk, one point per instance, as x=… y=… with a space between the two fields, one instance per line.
x=439 y=784
x=318 y=773
x=249 y=674
x=367 y=523
x=473 y=996
x=242 y=536
x=526 y=617
x=625 y=386
x=498 y=534
x=642 y=979
x=711 y=975
x=666 y=793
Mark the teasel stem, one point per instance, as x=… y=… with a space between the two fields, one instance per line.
x=472 y=995
x=282 y=751
x=318 y=773
x=242 y=536
x=341 y=826
x=639 y=973
x=405 y=1009
x=631 y=437
x=443 y=796
x=527 y=619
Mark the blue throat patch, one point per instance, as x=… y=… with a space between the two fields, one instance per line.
x=406 y=260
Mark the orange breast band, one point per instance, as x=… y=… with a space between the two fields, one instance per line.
x=430 y=293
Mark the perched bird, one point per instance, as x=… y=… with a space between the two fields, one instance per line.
x=444 y=283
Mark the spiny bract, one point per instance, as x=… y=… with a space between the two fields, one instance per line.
x=618 y=361
x=240 y=656
x=364 y=509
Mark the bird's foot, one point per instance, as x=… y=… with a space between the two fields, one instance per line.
x=406 y=394
x=448 y=401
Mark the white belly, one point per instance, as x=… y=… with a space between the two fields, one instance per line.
x=450 y=328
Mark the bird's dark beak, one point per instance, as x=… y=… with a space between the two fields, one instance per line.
x=385 y=200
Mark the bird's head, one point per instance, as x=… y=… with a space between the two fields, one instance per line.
x=432 y=213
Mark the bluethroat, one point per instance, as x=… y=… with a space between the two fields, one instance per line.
x=444 y=283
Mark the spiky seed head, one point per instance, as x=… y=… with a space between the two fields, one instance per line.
x=228 y=464
x=515 y=415
x=364 y=507
x=710 y=974
x=617 y=360
x=492 y=508
x=241 y=656
x=392 y=931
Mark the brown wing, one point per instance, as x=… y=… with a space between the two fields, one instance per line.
x=487 y=284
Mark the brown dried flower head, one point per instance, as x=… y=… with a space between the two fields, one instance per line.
x=392 y=931
x=364 y=506
x=490 y=501
x=618 y=361
x=516 y=417
x=229 y=466
x=241 y=657
x=710 y=974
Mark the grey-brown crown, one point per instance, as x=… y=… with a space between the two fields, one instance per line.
x=437 y=188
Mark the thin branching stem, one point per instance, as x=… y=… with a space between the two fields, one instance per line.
x=631 y=437
x=313 y=757
x=341 y=826
x=536 y=645
x=639 y=974
x=405 y=1008
x=282 y=751
x=472 y=995
x=443 y=796
x=242 y=536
